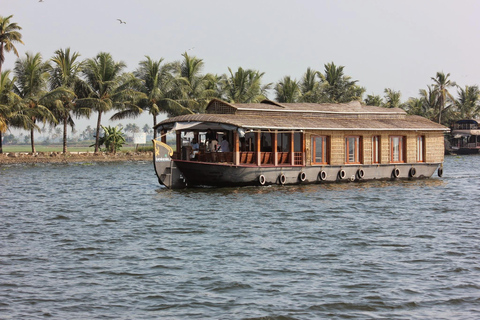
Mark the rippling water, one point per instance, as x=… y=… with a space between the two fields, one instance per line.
x=104 y=241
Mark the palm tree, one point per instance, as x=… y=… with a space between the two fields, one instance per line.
x=373 y=100
x=191 y=85
x=337 y=87
x=64 y=75
x=287 y=90
x=6 y=101
x=31 y=78
x=244 y=86
x=157 y=83
x=9 y=35
x=415 y=106
x=441 y=85
x=146 y=128
x=429 y=102
x=104 y=89
x=468 y=103
x=392 y=98
x=309 y=86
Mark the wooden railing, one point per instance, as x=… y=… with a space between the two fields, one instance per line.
x=298 y=158
x=246 y=157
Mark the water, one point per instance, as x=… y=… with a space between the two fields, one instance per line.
x=104 y=241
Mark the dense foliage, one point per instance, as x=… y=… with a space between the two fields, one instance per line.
x=54 y=91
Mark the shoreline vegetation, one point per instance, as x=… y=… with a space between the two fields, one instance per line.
x=72 y=157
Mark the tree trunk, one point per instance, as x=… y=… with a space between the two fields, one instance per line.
x=1 y=62
x=154 y=124
x=97 y=136
x=32 y=140
x=65 y=127
x=1 y=143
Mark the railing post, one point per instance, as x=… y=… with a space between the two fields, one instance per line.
x=258 y=155
x=275 y=148
x=236 y=148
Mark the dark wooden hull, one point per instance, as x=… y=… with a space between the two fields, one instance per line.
x=465 y=150
x=199 y=174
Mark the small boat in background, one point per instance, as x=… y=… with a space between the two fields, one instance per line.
x=465 y=137
x=296 y=143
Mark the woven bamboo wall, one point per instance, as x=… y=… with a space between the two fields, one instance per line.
x=434 y=145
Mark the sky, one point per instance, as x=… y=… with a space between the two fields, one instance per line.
x=397 y=44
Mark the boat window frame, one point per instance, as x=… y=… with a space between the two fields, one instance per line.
x=357 y=149
x=401 y=149
x=325 y=149
x=376 y=149
x=421 y=148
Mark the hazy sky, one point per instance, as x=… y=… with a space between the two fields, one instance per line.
x=397 y=44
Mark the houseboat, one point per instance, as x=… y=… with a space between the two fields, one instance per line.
x=465 y=137
x=295 y=143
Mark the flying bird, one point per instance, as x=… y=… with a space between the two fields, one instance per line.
x=121 y=21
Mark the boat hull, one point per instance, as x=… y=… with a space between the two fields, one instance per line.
x=464 y=150
x=198 y=174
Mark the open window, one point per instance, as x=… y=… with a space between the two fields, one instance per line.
x=352 y=150
x=397 y=149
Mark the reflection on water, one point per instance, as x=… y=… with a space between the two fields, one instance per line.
x=105 y=241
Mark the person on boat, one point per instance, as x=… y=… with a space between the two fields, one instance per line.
x=224 y=145
x=195 y=148
x=212 y=141
x=195 y=145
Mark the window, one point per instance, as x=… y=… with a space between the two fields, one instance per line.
x=376 y=149
x=319 y=150
x=297 y=142
x=266 y=142
x=397 y=149
x=352 y=150
x=283 y=142
x=420 y=149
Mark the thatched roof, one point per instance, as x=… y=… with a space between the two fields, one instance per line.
x=304 y=116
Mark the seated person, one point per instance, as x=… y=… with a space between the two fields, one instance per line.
x=224 y=146
x=195 y=144
x=195 y=147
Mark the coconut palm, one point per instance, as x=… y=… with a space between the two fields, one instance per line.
x=441 y=85
x=11 y=111
x=468 y=102
x=244 y=86
x=157 y=83
x=337 y=87
x=287 y=90
x=414 y=106
x=310 y=86
x=9 y=35
x=6 y=101
x=64 y=75
x=191 y=85
x=429 y=102
x=373 y=100
x=31 y=78
x=213 y=85
x=106 y=88
x=392 y=98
